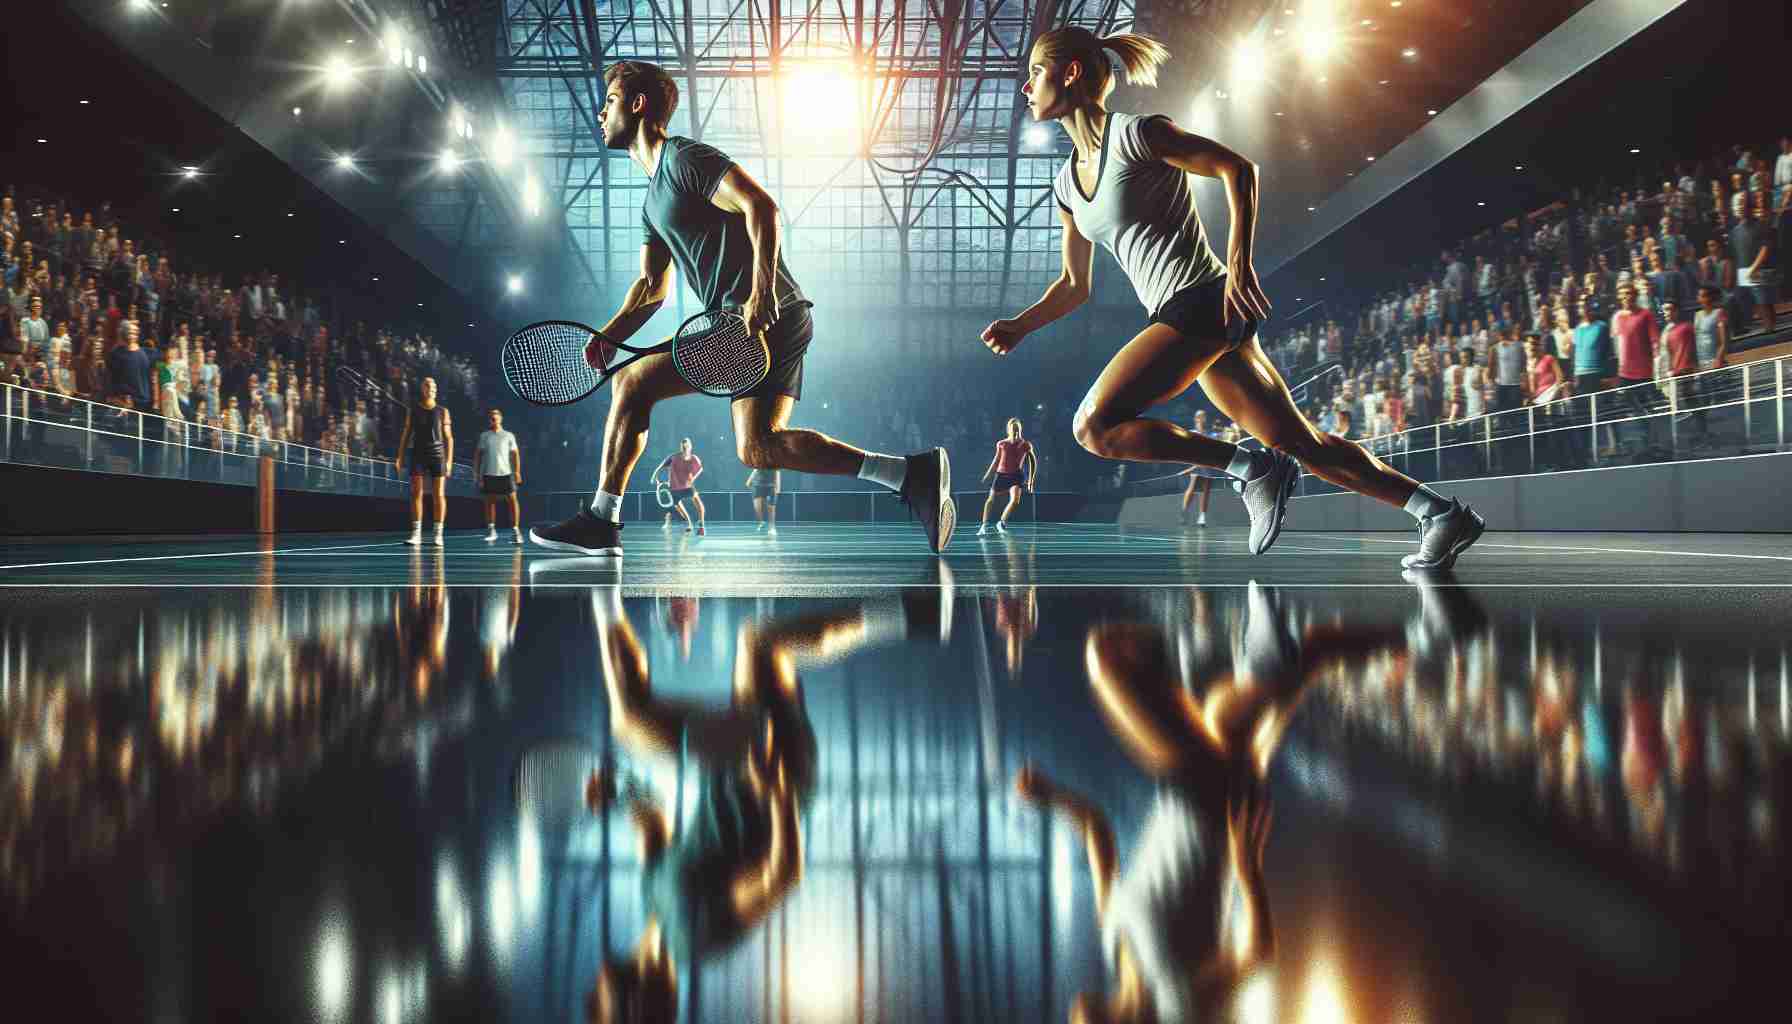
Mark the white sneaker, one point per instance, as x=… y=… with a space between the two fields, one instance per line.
x=1202 y=521
x=415 y=539
x=491 y=534
x=982 y=528
x=772 y=530
x=1001 y=526
x=517 y=535
x=759 y=527
x=438 y=538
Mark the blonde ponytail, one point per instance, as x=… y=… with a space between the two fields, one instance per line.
x=1140 y=56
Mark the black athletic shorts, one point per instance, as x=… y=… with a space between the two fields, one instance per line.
x=505 y=484
x=682 y=494
x=428 y=465
x=1007 y=480
x=789 y=341
x=1199 y=311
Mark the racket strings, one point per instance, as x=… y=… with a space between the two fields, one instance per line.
x=716 y=354
x=545 y=363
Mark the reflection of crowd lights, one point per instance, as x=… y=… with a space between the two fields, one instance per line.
x=454 y=918
x=332 y=961
x=1323 y=1000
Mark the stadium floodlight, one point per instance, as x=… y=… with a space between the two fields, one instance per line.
x=532 y=196
x=338 y=72
x=1316 y=37
x=345 y=161
x=1038 y=136
x=448 y=161
x=189 y=172
x=514 y=284
x=422 y=64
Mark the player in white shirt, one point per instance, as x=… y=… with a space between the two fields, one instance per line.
x=500 y=464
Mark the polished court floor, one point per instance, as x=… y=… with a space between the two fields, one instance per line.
x=340 y=779
x=848 y=558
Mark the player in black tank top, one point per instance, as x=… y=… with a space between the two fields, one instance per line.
x=428 y=440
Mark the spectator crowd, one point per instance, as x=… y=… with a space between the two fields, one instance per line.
x=1534 y=311
x=95 y=309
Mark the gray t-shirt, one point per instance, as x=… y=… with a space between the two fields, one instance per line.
x=1143 y=212
x=495 y=450
x=709 y=244
x=1508 y=364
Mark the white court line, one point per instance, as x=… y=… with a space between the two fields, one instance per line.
x=1579 y=550
x=846 y=589
x=209 y=554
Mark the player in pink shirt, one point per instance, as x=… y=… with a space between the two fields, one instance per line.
x=1014 y=466
x=682 y=468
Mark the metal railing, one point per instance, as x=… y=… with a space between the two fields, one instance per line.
x=46 y=428
x=1740 y=409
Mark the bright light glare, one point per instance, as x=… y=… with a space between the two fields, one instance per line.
x=514 y=284
x=345 y=161
x=1248 y=65
x=821 y=104
x=503 y=146
x=1316 y=35
x=1038 y=136
x=448 y=161
x=189 y=172
x=338 y=72
x=422 y=64
x=532 y=196
x=394 y=46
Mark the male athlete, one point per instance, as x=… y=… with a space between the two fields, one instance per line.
x=429 y=440
x=764 y=484
x=500 y=470
x=706 y=214
x=1014 y=466
x=682 y=468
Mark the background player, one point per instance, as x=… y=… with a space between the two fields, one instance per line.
x=704 y=212
x=500 y=471
x=1126 y=186
x=765 y=484
x=682 y=469
x=1200 y=478
x=428 y=438
x=1014 y=466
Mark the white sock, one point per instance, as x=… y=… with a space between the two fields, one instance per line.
x=416 y=526
x=889 y=470
x=607 y=506
x=438 y=526
x=1247 y=464
x=1426 y=503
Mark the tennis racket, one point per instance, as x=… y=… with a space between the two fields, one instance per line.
x=662 y=493
x=559 y=362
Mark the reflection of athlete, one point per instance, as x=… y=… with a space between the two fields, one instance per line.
x=1127 y=188
x=1177 y=948
x=1014 y=466
x=682 y=468
x=755 y=763
x=764 y=484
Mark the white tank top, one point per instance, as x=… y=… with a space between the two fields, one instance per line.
x=1143 y=211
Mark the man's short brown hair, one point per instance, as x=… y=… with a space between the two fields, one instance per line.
x=650 y=80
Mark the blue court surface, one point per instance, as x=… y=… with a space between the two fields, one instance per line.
x=820 y=559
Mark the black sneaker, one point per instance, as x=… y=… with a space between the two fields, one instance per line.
x=927 y=491
x=583 y=534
